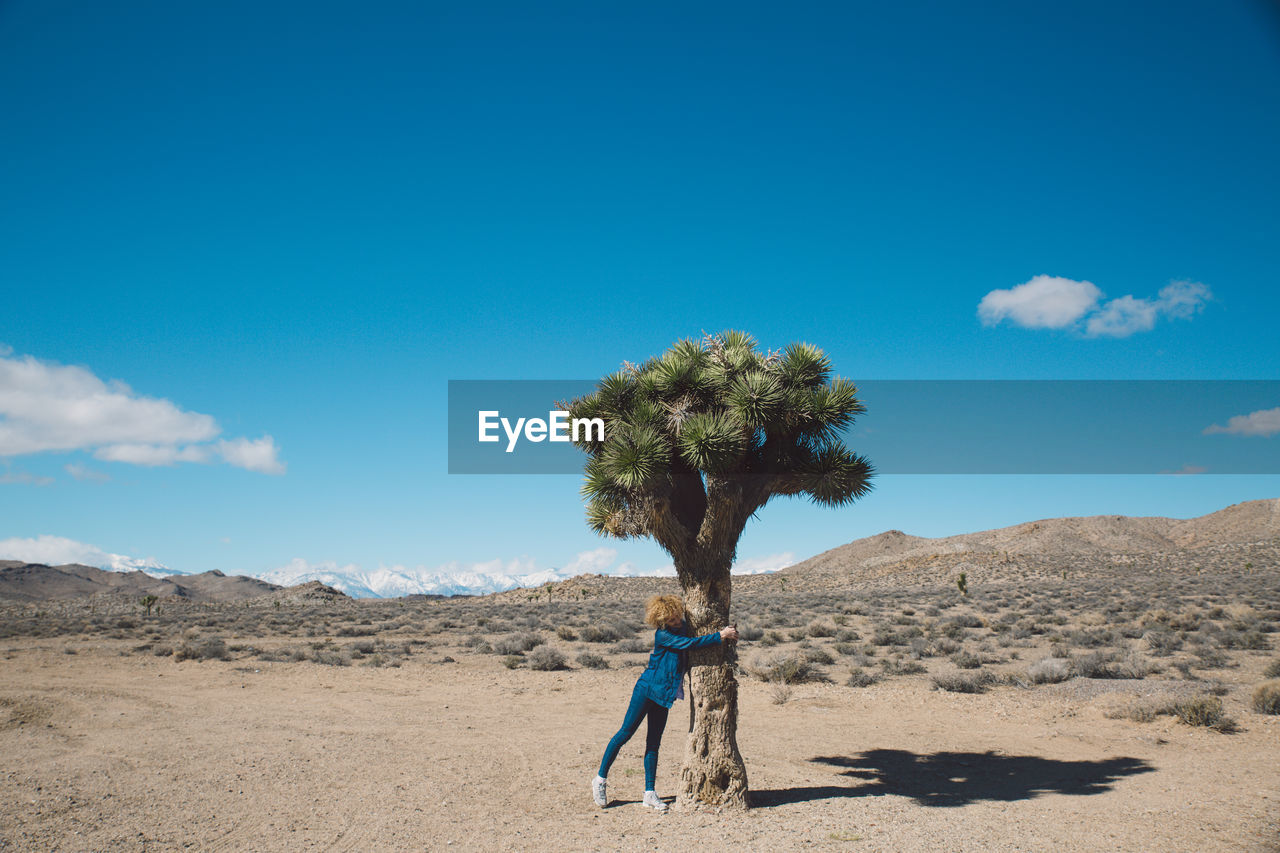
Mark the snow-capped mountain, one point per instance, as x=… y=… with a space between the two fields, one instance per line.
x=394 y=582
x=390 y=583
x=58 y=551
x=147 y=565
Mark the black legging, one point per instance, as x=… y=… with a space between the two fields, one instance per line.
x=641 y=705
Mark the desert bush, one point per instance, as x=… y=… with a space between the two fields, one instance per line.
x=818 y=628
x=1266 y=697
x=330 y=657
x=902 y=667
x=859 y=677
x=566 y=633
x=1142 y=710
x=945 y=646
x=1049 y=670
x=1132 y=666
x=632 y=646
x=818 y=655
x=206 y=648
x=606 y=632
x=782 y=667
x=546 y=659
x=1162 y=642
x=779 y=692
x=750 y=631
x=1094 y=665
x=963 y=682
x=966 y=660
x=512 y=661
x=516 y=644
x=1272 y=670
x=1203 y=711
x=1211 y=658
x=591 y=660
x=772 y=638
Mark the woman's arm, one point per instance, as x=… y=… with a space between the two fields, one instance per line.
x=675 y=641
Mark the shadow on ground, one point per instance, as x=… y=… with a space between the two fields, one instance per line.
x=949 y=779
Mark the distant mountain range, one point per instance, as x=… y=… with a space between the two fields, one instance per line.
x=390 y=583
x=37 y=582
x=1241 y=523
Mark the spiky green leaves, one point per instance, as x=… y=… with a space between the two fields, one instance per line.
x=757 y=399
x=711 y=441
x=828 y=410
x=804 y=366
x=718 y=407
x=636 y=458
x=832 y=474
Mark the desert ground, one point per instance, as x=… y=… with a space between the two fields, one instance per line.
x=1106 y=701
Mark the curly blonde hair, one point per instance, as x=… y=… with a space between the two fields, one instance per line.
x=661 y=609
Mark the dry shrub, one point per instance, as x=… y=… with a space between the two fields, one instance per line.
x=861 y=678
x=546 y=659
x=516 y=644
x=606 y=632
x=964 y=682
x=591 y=660
x=779 y=693
x=1266 y=697
x=818 y=628
x=782 y=668
x=206 y=648
x=1203 y=711
x=1049 y=670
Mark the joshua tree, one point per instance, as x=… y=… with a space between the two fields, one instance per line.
x=694 y=443
x=148 y=601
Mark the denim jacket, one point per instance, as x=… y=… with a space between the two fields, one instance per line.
x=667 y=664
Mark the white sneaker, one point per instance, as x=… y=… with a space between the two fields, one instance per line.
x=651 y=800
x=598 y=785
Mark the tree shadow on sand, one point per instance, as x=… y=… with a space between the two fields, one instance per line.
x=950 y=779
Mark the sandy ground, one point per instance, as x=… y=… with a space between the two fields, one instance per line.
x=100 y=751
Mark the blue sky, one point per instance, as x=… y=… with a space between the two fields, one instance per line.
x=301 y=220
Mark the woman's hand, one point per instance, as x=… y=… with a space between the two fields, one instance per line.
x=730 y=633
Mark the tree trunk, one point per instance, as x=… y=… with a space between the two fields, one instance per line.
x=713 y=771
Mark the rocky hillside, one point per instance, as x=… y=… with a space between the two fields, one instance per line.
x=38 y=582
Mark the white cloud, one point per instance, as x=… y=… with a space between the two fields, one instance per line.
x=25 y=479
x=1121 y=317
x=57 y=551
x=49 y=407
x=1048 y=302
x=80 y=472
x=1044 y=302
x=1264 y=423
x=596 y=562
x=152 y=455
x=260 y=455
x=1183 y=299
x=57 y=407
x=665 y=571
x=767 y=563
